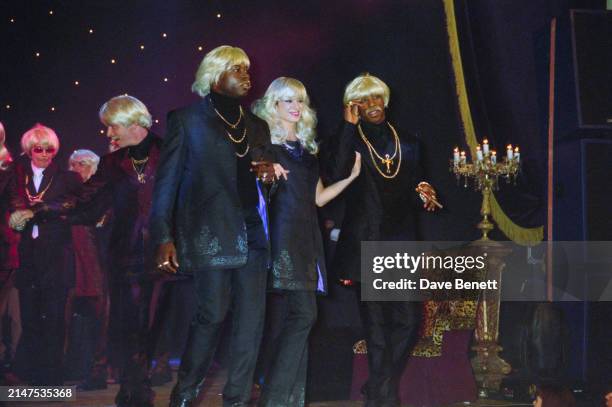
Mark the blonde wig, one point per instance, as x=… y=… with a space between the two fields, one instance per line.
x=213 y=65
x=5 y=156
x=87 y=157
x=39 y=135
x=366 y=85
x=284 y=88
x=125 y=110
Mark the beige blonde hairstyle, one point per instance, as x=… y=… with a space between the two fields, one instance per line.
x=5 y=156
x=125 y=110
x=213 y=65
x=284 y=88
x=366 y=85
x=39 y=135
x=87 y=157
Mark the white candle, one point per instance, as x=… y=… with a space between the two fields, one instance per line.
x=462 y=158
x=517 y=154
x=456 y=155
x=485 y=146
x=493 y=157
x=478 y=153
x=509 y=151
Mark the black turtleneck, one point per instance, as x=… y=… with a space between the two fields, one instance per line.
x=229 y=108
x=141 y=150
x=393 y=193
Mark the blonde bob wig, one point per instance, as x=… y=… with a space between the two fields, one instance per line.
x=366 y=85
x=284 y=88
x=39 y=135
x=5 y=156
x=125 y=110
x=216 y=62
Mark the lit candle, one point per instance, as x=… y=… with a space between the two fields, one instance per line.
x=478 y=153
x=493 y=157
x=456 y=155
x=517 y=154
x=462 y=157
x=509 y=151
x=485 y=146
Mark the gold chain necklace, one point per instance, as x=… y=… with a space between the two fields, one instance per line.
x=232 y=125
x=39 y=196
x=237 y=141
x=243 y=154
x=140 y=174
x=387 y=160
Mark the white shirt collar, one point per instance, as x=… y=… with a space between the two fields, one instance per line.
x=36 y=170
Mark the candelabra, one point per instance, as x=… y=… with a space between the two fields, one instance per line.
x=488 y=367
x=486 y=171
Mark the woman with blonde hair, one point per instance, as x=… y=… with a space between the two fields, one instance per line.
x=298 y=265
x=9 y=260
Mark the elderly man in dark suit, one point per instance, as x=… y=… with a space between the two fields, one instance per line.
x=206 y=222
x=123 y=182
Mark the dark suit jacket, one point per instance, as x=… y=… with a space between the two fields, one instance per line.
x=115 y=185
x=53 y=245
x=196 y=202
x=10 y=199
x=365 y=217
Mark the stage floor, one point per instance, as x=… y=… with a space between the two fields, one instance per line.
x=211 y=397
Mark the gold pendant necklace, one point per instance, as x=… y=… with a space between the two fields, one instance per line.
x=387 y=161
x=140 y=175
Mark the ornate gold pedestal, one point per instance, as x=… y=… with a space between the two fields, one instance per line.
x=489 y=369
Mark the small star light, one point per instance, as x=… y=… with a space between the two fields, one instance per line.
x=164 y=35
x=218 y=15
x=37 y=54
x=101 y=131
x=12 y=20
x=156 y=121
x=8 y=107
x=76 y=83
x=53 y=108
x=200 y=48
x=165 y=79
x=113 y=61
x=50 y=12
x=91 y=31
x=141 y=46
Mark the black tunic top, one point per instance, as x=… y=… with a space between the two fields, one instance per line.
x=298 y=261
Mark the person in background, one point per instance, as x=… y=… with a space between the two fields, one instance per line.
x=9 y=263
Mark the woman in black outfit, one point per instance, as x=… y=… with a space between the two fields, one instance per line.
x=298 y=264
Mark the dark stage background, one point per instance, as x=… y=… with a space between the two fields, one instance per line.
x=325 y=44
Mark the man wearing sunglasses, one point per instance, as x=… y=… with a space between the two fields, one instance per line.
x=42 y=279
x=123 y=182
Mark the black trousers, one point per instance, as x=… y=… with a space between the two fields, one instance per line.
x=285 y=383
x=244 y=290
x=391 y=331
x=42 y=283
x=129 y=333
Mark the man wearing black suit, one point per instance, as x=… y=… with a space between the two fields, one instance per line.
x=123 y=182
x=381 y=204
x=206 y=222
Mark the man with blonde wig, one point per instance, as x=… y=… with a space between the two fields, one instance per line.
x=206 y=222
x=381 y=205
x=124 y=183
